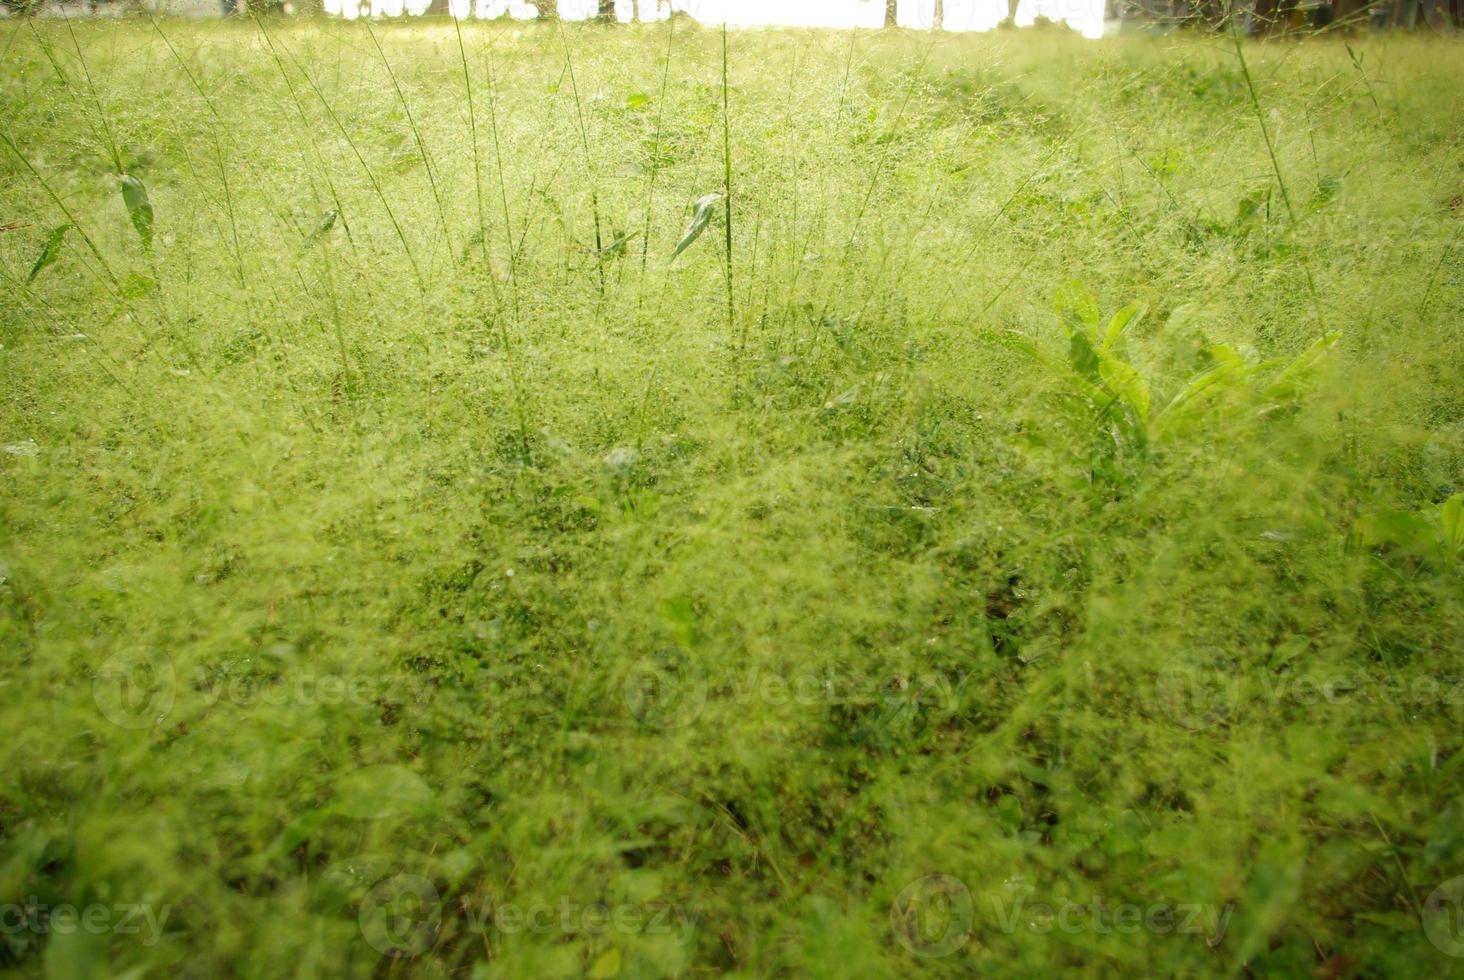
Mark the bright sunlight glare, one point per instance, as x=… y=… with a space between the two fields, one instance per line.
x=1084 y=16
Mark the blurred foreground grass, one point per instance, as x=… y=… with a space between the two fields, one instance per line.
x=406 y=568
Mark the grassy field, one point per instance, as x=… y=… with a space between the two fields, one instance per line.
x=1025 y=539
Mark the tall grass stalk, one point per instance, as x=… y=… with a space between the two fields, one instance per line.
x=90 y=346
x=656 y=152
x=979 y=237
x=511 y=360
x=791 y=127
x=103 y=119
x=111 y=277
x=727 y=184
x=216 y=142
x=1433 y=276
x=307 y=131
x=882 y=164
x=110 y=138
x=473 y=143
x=104 y=123
x=356 y=151
x=417 y=137
x=589 y=160
x=10 y=38
x=335 y=312
x=513 y=279
x=879 y=170
x=499 y=317
x=816 y=225
x=1250 y=87
x=586 y=535
x=108 y=278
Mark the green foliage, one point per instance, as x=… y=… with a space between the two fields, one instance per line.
x=1436 y=533
x=139 y=209
x=49 y=251
x=352 y=616
x=324 y=225
x=1116 y=398
x=701 y=215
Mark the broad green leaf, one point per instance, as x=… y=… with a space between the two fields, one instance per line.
x=616 y=248
x=1451 y=522
x=25 y=854
x=297 y=832
x=1197 y=392
x=1289 y=380
x=1249 y=206
x=1121 y=321
x=327 y=222
x=139 y=209
x=1326 y=189
x=75 y=954
x=1229 y=375
x=1126 y=383
x=50 y=251
x=606 y=965
x=1394 y=527
x=679 y=618
x=1082 y=356
x=1074 y=304
x=1228 y=358
x=1021 y=342
x=701 y=215
x=1026 y=345
x=1089 y=390
x=136 y=285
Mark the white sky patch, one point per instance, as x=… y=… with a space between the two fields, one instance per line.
x=1080 y=15
x=1085 y=16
